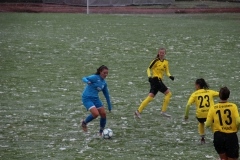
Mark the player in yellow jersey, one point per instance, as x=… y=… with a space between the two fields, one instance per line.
x=203 y=97
x=155 y=73
x=224 y=119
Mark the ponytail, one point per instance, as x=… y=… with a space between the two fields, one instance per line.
x=101 y=68
x=202 y=83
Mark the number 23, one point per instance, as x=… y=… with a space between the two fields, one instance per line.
x=201 y=98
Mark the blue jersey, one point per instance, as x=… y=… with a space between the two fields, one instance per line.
x=97 y=85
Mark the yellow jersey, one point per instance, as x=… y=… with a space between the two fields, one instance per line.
x=224 y=116
x=157 y=68
x=203 y=99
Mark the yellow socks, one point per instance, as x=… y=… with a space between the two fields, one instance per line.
x=166 y=101
x=201 y=128
x=144 y=103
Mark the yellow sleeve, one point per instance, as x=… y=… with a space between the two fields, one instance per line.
x=191 y=99
x=208 y=123
x=187 y=110
x=215 y=93
x=238 y=122
x=209 y=120
x=149 y=72
x=167 y=69
x=149 y=68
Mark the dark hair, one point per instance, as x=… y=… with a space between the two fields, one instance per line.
x=159 y=50
x=224 y=93
x=202 y=83
x=101 y=68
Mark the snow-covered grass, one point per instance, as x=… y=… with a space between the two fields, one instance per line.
x=44 y=56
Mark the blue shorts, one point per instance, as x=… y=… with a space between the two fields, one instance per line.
x=90 y=102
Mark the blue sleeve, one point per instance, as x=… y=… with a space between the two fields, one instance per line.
x=106 y=94
x=91 y=79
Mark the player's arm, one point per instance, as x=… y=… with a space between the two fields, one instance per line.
x=209 y=120
x=106 y=94
x=236 y=114
x=238 y=122
x=215 y=94
x=89 y=79
x=149 y=69
x=168 y=72
x=149 y=72
x=187 y=111
x=189 y=103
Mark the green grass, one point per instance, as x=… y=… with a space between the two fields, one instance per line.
x=44 y=56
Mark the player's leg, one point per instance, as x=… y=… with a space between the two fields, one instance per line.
x=103 y=119
x=166 y=99
x=232 y=146
x=219 y=141
x=90 y=106
x=201 y=132
x=201 y=129
x=103 y=115
x=223 y=156
x=145 y=102
x=152 y=93
x=94 y=114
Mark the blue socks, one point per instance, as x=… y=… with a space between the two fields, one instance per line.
x=89 y=118
x=103 y=122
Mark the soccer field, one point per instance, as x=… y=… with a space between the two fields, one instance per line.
x=43 y=57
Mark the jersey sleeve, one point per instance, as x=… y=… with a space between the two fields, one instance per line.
x=91 y=79
x=150 y=67
x=215 y=93
x=106 y=94
x=209 y=120
x=236 y=114
x=191 y=99
x=149 y=72
x=167 y=69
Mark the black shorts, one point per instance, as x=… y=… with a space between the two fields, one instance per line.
x=201 y=120
x=157 y=85
x=226 y=143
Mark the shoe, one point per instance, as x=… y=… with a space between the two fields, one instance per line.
x=137 y=114
x=202 y=141
x=165 y=114
x=84 y=126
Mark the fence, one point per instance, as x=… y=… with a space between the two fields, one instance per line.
x=109 y=2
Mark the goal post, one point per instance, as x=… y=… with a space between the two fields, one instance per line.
x=87 y=6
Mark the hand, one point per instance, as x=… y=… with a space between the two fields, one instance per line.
x=149 y=79
x=109 y=111
x=172 y=78
x=186 y=118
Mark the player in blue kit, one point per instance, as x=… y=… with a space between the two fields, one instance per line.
x=95 y=84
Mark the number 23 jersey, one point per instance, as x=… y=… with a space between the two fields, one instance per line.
x=203 y=99
x=223 y=115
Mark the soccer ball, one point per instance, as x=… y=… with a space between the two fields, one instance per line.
x=107 y=133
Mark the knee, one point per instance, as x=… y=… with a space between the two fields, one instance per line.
x=103 y=115
x=169 y=94
x=95 y=115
